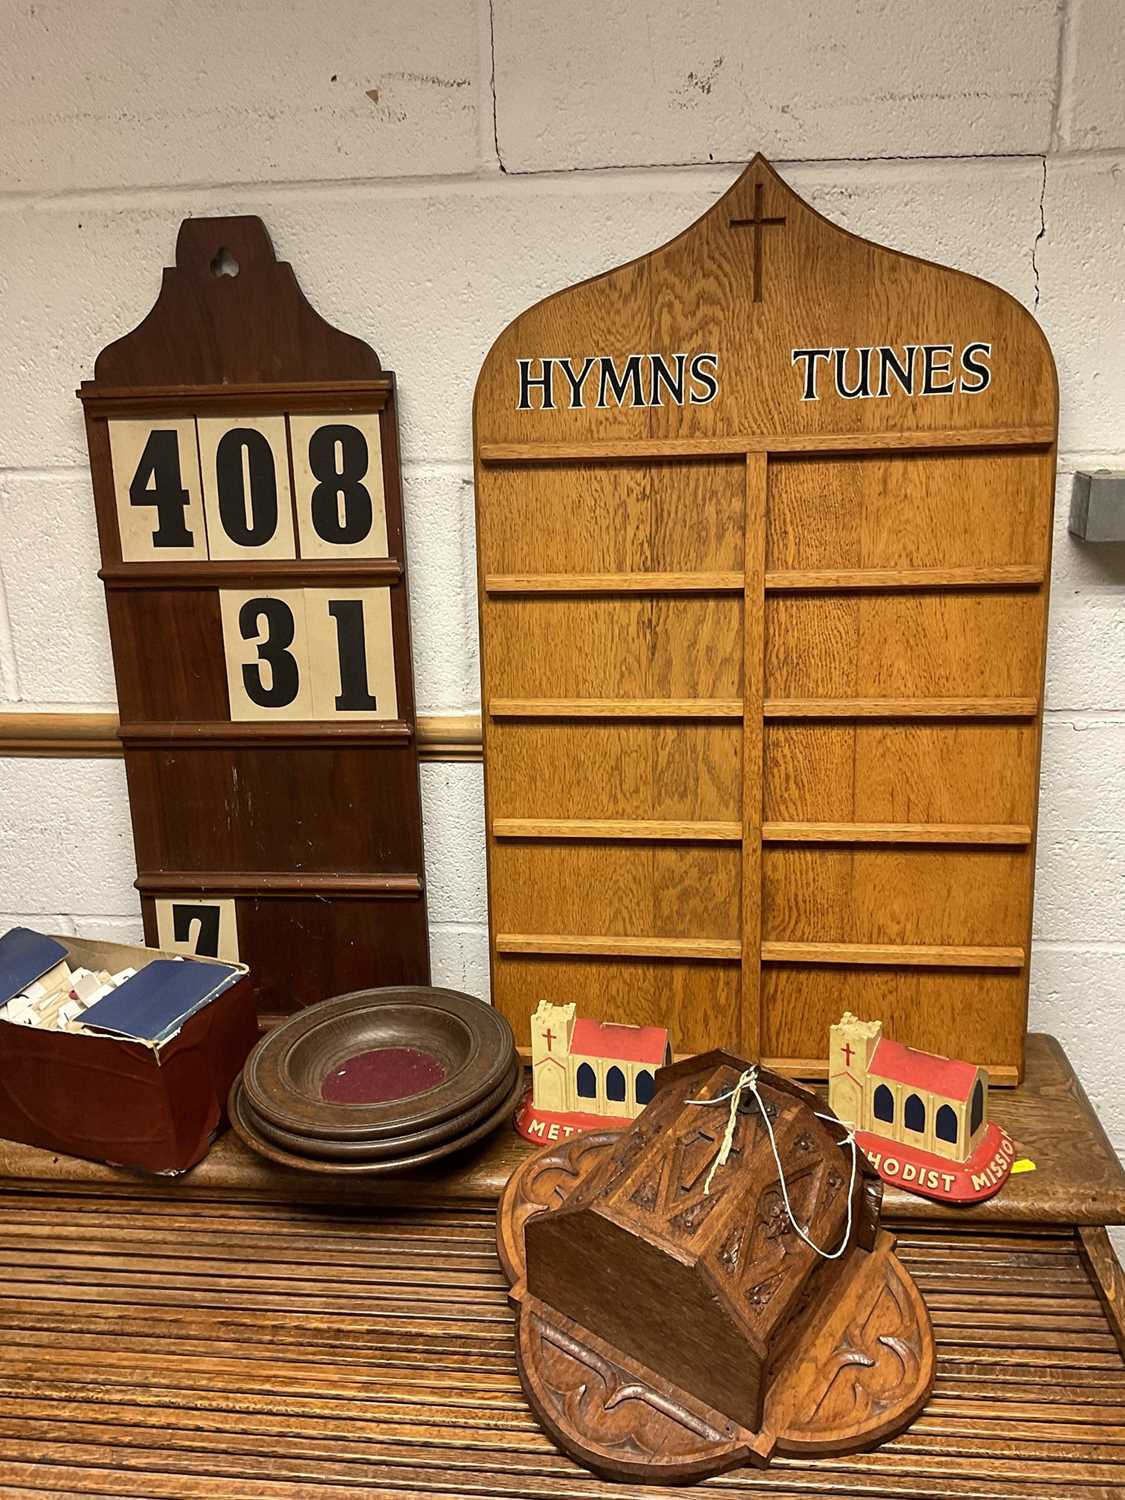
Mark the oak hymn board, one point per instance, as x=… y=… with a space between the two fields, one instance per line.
x=764 y=525
x=244 y=456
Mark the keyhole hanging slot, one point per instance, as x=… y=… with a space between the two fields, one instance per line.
x=224 y=263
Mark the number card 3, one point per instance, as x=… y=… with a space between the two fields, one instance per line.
x=338 y=481
x=266 y=648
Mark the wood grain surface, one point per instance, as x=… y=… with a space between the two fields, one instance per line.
x=268 y=763
x=277 y=1352
x=814 y=612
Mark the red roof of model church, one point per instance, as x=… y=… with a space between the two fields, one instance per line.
x=643 y=1044
x=923 y=1070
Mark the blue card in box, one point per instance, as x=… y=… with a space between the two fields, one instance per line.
x=155 y=1003
x=26 y=956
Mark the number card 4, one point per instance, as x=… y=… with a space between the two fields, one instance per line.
x=312 y=654
x=158 y=491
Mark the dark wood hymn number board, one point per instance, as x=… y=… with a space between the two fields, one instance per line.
x=764 y=525
x=244 y=456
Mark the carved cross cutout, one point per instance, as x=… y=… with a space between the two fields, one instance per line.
x=757 y=223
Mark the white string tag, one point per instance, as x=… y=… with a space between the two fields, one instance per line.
x=749 y=1082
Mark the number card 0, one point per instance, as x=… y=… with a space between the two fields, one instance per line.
x=245 y=466
x=244 y=456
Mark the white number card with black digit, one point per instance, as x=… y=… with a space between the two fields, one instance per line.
x=219 y=488
x=315 y=654
x=158 y=492
x=338 y=484
x=205 y=926
x=244 y=462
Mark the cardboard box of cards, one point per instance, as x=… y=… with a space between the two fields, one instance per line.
x=118 y=1053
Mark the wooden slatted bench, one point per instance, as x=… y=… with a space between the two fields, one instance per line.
x=251 y=1333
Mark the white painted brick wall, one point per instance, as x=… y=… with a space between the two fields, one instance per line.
x=593 y=85
x=430 y=167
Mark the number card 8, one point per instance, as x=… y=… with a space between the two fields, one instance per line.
x=338 y=478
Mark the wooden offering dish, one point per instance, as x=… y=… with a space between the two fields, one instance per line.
x=245 y=1128
x=378 y=1081
x=443 y=1052
x=671 y=1321
x=392 y=1146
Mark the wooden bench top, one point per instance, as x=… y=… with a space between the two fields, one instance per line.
x=249 y=1333
x=225 y=1350
x=1078 y=1177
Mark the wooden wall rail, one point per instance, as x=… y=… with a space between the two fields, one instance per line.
x=84 y=735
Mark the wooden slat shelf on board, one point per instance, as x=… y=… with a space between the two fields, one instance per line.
x=763 y=608
x=733 y=583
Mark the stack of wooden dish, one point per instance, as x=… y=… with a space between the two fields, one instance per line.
x=378 y=1081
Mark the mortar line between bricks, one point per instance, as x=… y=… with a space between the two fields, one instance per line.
x=1064 y=75
x=1073 y=945
x=9 y=661
x=253 y=191
x=492 y=85
x=1040 y=233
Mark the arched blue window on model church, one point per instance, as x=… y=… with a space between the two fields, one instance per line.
x=587 y=1082
x=884 y=1104
x=946 y=1125
x=914 y=1114
x=643 y=1088
x=977 y=1114
x=615 y=1085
